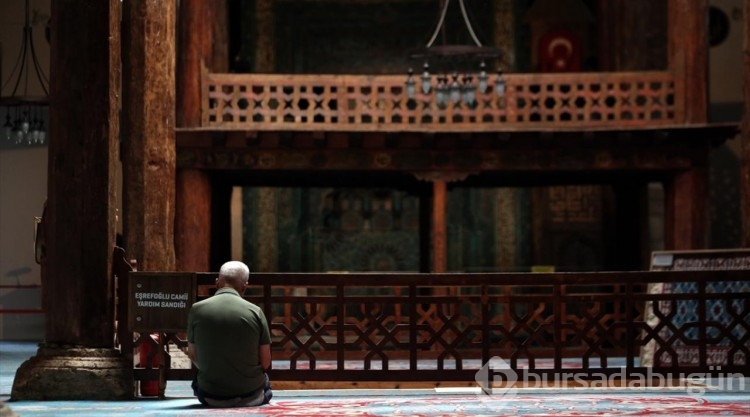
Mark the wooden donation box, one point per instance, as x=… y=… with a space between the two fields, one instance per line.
x=160 y=301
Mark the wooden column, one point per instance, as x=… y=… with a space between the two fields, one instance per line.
x=77 y=359
x=203 y=40
x=439 y=229
x=506 y=238
x=438 y=234
x=265 y=62
x=220 y=30
x=83 y=152
x=686 y=212
x=425 y=228
x=503 y=36
x=198 y=32
x=268 y=230
x=631 y=35
x=149 y=156
x=688 y=56
x=264 y=30
x=745 y=137
x=195 y=36
x=686 y=194
x=193 y=220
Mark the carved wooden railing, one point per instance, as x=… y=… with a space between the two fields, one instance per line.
x=258 y=102
x=443 y=327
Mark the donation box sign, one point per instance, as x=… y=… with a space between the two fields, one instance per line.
x=160 y=301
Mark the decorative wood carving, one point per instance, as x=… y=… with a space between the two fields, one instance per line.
x=283 y=102
x=339 y=331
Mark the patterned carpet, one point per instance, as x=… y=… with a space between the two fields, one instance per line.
x=405 y=404
x=416 y=402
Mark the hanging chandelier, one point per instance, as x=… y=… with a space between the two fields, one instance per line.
x=454 y=81
x=23 y=113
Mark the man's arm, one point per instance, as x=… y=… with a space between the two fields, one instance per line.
x=192 y=353
x=264 y=353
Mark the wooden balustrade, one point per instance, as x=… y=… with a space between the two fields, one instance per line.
x=397 y=327
x=284 y=102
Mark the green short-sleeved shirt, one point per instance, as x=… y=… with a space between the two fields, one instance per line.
x=227 y=330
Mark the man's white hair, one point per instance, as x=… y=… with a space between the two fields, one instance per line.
x=235 y=271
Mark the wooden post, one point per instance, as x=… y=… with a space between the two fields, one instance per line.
x=77 y=358
x=197 y=36
x=265 y=62
x=439 y=232
x=265 y=47
x=686 y=213
x=745 y=137
x=83 y=152
x=425 y=228
x=625 y=26
x=507 y=241
x=268 y=230
x=149 y=155
x=504 y=13
x=687 y=48
x=193 y=221
x=439 y=229
x=220 y=29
